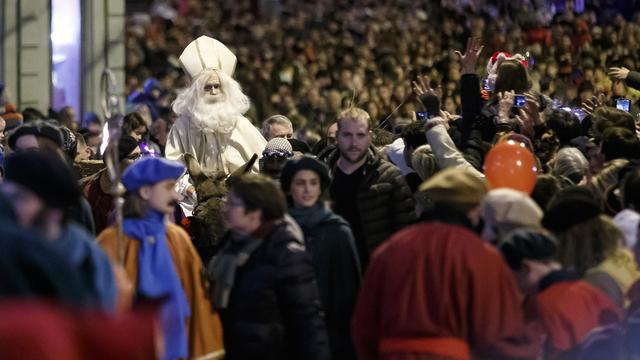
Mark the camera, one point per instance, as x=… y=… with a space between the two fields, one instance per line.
x=623 y=104
x=519 y=101
x=486 y=85
x=422 y=116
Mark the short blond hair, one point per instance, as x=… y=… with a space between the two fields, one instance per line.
x=354 y=113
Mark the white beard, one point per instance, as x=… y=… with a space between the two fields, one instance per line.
x=220 y=117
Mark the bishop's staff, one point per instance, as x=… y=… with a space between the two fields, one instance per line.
x=111 y=109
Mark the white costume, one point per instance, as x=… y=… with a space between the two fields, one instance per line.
x=215 y=151
x=210 y=125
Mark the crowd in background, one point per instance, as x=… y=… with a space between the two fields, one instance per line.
x=308 y=60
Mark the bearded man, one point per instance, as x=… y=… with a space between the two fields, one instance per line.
x=369 y=192
x=210 y=124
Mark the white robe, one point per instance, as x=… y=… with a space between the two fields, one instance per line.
x=213 y=151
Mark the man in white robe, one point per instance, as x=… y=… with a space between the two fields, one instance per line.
x=210 y=124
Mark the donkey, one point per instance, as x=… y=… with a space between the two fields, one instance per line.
x=207 y=225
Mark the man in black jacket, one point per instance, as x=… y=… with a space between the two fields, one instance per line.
x=264 y=285
x=369 y=192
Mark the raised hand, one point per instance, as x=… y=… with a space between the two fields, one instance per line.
x=590 y=105
x=469 y=59
x=422 y=86
x=532 y=109
x=619 y=73
x=428 y=97
x=504 y=105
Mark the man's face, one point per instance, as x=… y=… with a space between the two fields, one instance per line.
x=159 y=129
x=161 y=196
x=212 y=90
x=27 y=143
x=237 y=218
x=26 y=204
x=353 y=140
x=280 y=131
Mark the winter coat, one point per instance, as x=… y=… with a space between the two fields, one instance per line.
x=274 y=310
x=385 y=202
x=329 y=240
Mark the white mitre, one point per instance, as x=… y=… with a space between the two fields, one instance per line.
x=206 y=53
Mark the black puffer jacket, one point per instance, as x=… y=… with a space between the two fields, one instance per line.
x=274 y=309
x=385 y=202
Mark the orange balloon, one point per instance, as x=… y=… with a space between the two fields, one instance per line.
x=510 y=164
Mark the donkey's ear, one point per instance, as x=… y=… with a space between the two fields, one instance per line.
x=246 y=168
x=194 y=169
x=249 y=165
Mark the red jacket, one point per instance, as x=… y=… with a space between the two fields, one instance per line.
x=567 y=311
x=435 y=280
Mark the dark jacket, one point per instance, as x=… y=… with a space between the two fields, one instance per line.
x=633 y=80
x=329 y=239
x=274 y=311
x=385 y=202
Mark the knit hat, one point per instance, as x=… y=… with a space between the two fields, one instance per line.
x=278 y=147
x=533 y=244
x=38 y=128
x=149 y=171
x=304 y=163
x=496 y=60
x=455 y=187
x=569 y=207
x=46 y=175
x=507 y=207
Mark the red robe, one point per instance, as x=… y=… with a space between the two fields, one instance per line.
x=435 y=280
x=568 y=311
x=101 y=203
x=40 y=330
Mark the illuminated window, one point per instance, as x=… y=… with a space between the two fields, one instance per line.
x=66 y=42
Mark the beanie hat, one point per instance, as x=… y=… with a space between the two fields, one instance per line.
x=69 y=142
x=533 y=244
x=46 y=175
x=508 y=206
x=277 y=147
x=569 y=207
x=292 y=167
x=38 y=128
x=151 y=170
x=455 y=187
x=496 y=60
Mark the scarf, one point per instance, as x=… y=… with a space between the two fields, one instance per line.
x=221 y=271
x=309 y=217
x=157 y=279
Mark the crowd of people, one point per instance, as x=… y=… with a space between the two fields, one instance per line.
x=336 y=179
x=308 y=60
